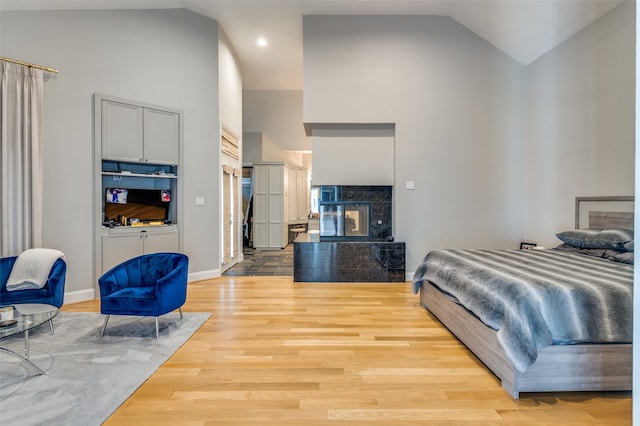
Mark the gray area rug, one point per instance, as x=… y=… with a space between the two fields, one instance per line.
x=88 y=376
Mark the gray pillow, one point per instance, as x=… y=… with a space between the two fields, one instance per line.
x=586 y=251
x=597 y=239
x=626 y=257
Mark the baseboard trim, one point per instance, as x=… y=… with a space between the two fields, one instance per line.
x=79 y=296
x=90 y=294
x=204 y=275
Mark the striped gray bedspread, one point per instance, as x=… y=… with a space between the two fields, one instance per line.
x=536 y=298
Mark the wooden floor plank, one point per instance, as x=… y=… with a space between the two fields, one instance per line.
x=285 y=353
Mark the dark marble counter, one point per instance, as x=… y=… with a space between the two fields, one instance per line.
x=316 y=238
x=318 y=259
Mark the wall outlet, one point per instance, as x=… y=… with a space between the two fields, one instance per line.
x=199 y=201
x=411 y=184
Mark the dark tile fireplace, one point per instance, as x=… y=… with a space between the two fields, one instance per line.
x=355 y=212
x=355 y=243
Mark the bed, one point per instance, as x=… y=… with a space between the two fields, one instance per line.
x=548 y=320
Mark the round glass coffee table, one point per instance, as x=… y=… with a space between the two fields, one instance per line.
x=26 y=316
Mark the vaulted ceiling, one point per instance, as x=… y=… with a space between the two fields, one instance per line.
x=523 y=29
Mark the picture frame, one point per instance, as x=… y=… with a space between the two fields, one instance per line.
x=527 y=246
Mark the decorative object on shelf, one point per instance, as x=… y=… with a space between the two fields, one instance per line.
x=527 y=246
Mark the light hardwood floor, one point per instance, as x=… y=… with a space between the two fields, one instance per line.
x=284 y=353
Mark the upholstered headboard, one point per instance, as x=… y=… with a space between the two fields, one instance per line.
x=605 y=212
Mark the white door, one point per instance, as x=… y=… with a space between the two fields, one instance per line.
x=231 y=222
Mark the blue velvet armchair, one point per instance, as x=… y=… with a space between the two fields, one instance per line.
x=148 y=285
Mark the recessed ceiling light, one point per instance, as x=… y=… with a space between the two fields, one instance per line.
x=262 y=42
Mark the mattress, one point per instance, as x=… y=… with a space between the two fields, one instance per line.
x=536 y=298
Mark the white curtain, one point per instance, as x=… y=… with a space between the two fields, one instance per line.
x=20 y=158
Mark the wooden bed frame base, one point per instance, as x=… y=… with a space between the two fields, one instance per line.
x=583 y=367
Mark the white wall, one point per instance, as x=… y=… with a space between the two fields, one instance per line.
x=258 y=147
x=353 y=154
x=251 y=148
x=272 y=151
x=580 y=123
x=230 y=84
x=278 y=115
x=458 y=105
x=230 y=87
x=132 y=54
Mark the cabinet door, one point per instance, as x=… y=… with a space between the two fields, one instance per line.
x=118 y=248
x=293 y=195
x=260 y=206
x=122 y=127
x=302 y=190
x=155 y=242
x=161 y=136
x=276 y=206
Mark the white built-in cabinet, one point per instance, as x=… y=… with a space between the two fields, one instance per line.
x=135 y=133
x=137 y=147
x=298 y=195
x=119 y=246
x=270 y=205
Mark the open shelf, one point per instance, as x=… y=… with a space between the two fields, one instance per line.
x=153 y=175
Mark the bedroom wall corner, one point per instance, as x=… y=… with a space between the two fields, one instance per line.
x=580 y=123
